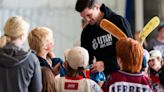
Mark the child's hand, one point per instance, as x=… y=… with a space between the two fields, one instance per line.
x=56 y=69
x=51 y=54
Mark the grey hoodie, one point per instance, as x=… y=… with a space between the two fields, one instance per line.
x=19 y=70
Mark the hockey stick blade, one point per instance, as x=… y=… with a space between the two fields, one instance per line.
x=112 y=28
x=148 y=28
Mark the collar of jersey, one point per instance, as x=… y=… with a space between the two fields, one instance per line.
x=74 y=78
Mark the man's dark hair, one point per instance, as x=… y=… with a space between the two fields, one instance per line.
x=82 y=4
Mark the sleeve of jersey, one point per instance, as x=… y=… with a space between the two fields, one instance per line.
x=106 y=84
x=62 y=69
x=95 y=87
x=56 y=61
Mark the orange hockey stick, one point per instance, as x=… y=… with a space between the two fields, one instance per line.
x=112 y=28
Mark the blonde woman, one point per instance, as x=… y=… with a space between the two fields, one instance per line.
x=19 y=69
x=41 y=41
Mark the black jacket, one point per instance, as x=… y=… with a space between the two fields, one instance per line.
x=101 y=44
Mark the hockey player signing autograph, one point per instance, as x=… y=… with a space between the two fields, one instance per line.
x=129 y=79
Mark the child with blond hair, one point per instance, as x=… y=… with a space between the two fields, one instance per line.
x=41 y=41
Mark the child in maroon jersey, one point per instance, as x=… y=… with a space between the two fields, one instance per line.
x=129 y=78
x=155 y=63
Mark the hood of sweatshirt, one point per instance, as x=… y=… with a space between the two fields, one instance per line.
x=12 y=55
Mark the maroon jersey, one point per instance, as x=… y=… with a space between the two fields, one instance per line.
x=126 y=82
x=154 y=79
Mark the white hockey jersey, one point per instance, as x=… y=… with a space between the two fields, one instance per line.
x=80 y=84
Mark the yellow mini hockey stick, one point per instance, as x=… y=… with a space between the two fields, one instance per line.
x=148 y=28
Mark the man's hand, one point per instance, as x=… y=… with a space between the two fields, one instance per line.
x=97 y=67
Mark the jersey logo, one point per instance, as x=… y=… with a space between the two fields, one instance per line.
x=102 y=41
x=71 y=86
